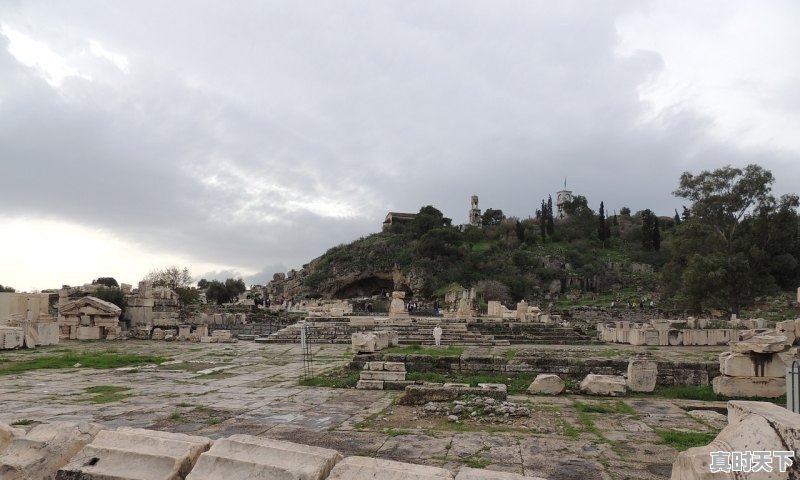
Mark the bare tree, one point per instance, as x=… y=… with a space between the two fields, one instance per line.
x=173 y=277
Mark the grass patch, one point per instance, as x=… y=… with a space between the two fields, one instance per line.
x=608 y=407
x=341 y=377
x=106 y=393
x=681 y=441
x=397 y=432
x=103 y=360
x=176 y=417
x=510 y=354
x=184 y=404
x=214 y=421
x=449 y=351
x=24 y=421
x=477 y=462
x=105 y=389
x=569 y=430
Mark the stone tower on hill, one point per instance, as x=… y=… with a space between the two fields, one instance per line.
x=474 y=213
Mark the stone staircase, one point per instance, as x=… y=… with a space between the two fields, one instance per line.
x=530 y=333
x=412 y=330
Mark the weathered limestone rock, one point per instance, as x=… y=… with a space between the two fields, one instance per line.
x=787 y=329
x=749 y=386
x=422 y=394
x=364 y=342
x=45 y=449
x=546 y=384
x=7 y=434
x=751 y=365
x=522 y=310
x=151 y=454
x=11 y=337
x=365 y=468
x=370 y=385
x=88 y=333
x=753 y=426
x=494 y=309
x=493 y=387
x=610 y=385
x=467 y=473
x=761 y=344
x=384 y=376
x=245 y=456
x=393 y=367
x=398 y=308
x=642 y=374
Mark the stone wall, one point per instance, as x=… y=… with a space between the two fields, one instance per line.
x=669 y=373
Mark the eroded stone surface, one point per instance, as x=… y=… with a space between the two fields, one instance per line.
x=764 y=387
x=609 y=385
x=546 y=384
x=152 y=455
x=44 y=449
x=363 y=468
x=467 y=473
x=245 y=456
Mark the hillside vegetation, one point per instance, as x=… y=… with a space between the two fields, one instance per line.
x=733 y=243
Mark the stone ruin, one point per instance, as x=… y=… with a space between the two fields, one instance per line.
x=459 y=304
x=375 y=341
x=88 y=451
x=398 y=307
x=753 y=368
x=383 y=376
x=25 y=321
x=89 y=318
x=668 y=332
x=752 y=427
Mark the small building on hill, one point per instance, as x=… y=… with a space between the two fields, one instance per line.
x=397 y=217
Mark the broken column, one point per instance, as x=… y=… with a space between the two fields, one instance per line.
x=753 y=368
x=642 y=373
x=398 y=308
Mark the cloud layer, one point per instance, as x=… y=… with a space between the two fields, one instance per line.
x=254 y=136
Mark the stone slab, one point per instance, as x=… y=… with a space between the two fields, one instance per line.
x=151 y=454
x=467 y=473
x=609 y=385
x=383 y=376
x=394 y=366
x=751 y=364
x=738 y=387
x=364 y=468
x=642 y=374
x=370 y=385
x=7 y=434
x=45 y=449
x=422 y=394
x=761 y=344
x=245 y=456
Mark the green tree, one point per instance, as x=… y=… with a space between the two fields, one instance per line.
x=106 y=281
x=111 y=294
x=6 y=289
x=722 y=253
x=224 y=292
x=492 y=217
x=625 y=211
x=202 y=284
x=551 y=228
x=602 y=228
x=427 y=219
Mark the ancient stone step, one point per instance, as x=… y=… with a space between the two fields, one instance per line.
x=44 y=449
x=133 y=453
x=364 y=468
x=245 y=456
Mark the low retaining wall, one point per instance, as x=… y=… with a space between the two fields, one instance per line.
x=669 y=373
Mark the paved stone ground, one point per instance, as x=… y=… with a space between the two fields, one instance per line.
x=258 y=394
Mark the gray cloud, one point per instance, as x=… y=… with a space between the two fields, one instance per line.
x=242 y=133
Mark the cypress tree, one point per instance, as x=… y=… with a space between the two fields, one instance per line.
x=550 y=224
x=602 y=229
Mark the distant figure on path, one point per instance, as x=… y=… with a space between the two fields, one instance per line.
x=437 y=335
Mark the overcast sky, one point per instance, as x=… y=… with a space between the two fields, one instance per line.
x=248 y=137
